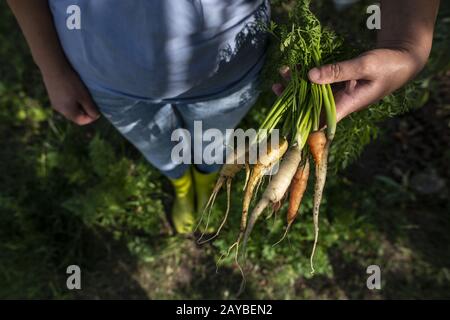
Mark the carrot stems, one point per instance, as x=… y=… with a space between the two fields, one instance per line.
x=297 y=114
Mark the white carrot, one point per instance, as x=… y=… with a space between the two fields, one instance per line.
x=276 y=188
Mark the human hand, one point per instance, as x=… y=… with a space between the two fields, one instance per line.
x=70 y=97
x=366 y=79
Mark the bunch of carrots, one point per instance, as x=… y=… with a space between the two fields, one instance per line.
x=296 y=113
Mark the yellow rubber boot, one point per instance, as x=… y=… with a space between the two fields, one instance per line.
x=204 y=184
x=183 y=210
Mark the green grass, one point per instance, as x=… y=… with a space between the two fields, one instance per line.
x=72 y=195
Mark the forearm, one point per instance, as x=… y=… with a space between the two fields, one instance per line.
x=408 y=25
x=36 y=22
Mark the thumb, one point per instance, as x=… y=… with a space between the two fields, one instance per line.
x=337 y=72
x=89 y=107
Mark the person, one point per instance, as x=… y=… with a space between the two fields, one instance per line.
x=152 y=66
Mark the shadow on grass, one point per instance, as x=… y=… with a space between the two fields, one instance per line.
x=109 y=270
x=408 y=207
x=205 y=283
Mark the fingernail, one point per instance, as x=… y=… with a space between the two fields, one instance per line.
x=314 y=74
x=277 y=88
x=284 y=69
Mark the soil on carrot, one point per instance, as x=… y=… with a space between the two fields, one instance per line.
x=410 y=188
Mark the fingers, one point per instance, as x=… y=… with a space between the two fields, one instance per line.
x=285 y=73
x=277 y=88
x=83 y=119
x=354 y=99
x=341 y=71
x=90 y=108
x=76 y=114
x=84 y=112
x=357 y=93
x=70 y=97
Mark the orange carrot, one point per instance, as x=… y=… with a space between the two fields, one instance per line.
x=316 y=142
x=319 y=146
x=296 y=191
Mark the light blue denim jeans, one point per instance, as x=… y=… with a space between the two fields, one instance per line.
x=149 y=126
